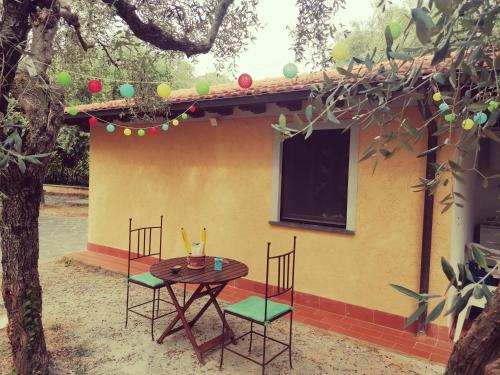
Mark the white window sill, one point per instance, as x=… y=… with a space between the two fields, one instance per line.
x=321 y=228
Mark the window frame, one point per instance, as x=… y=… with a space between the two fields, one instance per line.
x=352 y=186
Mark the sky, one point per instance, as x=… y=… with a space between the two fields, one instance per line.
x=271 y=50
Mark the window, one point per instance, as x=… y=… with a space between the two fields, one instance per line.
x=314 y=176
x=314 y=179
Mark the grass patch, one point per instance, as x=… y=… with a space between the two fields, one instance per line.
x=68 y=262
x=82 y=350
x=56 y=327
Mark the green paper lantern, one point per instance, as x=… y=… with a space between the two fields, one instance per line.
x=184 y=116
x=63 y=79
x=290 y=70
x=492 y=105
x=202 y=88
x=396 y=30
x=110 y=128
x=141 y=132
x=450 y=117
x=127 y=90
x=73 y=111
x=164 y=127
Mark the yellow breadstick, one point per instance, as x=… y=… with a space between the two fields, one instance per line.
x=204 y=239
x=204 y=235
x=187 y=244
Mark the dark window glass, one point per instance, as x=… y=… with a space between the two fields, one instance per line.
x=314 y=176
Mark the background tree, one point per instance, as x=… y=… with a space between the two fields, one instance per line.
x=366 y=36
x=69 y=162
x=459 y=99
x=35 y=33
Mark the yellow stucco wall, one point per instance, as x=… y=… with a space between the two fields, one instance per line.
x=220 y=177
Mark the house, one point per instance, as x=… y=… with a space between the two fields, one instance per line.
x=226 y=169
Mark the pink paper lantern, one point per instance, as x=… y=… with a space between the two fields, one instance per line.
x=192 y=109
x=93 y=121
x=94 y=86
x=153 y=131
x=245 y=81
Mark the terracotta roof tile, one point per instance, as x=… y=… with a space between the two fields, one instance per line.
x=264 y=86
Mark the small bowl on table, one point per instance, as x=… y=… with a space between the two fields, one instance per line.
x=176 y=269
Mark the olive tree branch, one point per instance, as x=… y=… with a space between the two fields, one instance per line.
x=151 y=33
x=73 y=21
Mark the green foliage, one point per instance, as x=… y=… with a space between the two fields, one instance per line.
x=416 y=314
x=13 y=125
x=461 y=296
x=385 y=76
x=375 y=89
x=30 y=317
x=365 y=37
x=68 y=163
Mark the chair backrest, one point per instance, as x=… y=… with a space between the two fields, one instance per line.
x=285 y=264
x=141 y=243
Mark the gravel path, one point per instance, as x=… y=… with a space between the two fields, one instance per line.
x=61 y=235
x=84 y=324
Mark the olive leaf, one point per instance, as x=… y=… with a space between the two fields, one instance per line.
x=436 y=311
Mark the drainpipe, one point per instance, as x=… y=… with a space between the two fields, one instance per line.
x=430 y=173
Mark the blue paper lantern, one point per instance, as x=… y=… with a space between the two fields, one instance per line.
x=164 y=127
x=480 y=118
x=290 y=70
x=127 y=90
x=110 y=128
x=444 y=107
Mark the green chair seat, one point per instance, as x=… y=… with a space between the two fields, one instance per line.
x=147 y=279
x=254 y=308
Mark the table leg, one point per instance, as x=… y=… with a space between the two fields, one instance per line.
x=213 y=297
x=179 y=310
x=214 y=342
x=216 y=292
x=185 y=323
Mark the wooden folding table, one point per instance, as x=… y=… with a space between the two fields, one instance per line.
x=210 y=283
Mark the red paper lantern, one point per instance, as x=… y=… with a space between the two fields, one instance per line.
x=192 y=109
x=245 y=81
x=92 y=121
x=153 y=131
x=94 y=86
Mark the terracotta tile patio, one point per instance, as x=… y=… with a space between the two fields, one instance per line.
x=336 y=319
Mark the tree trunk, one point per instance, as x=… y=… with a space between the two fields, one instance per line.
x=21 y=290
x=478 y=352
x=42 y=107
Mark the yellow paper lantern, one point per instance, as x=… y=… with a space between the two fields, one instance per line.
x=127 y=132
x=163 y=90
x=468 y=124
x=175 y=122
x=340 y=51
x=437 y=96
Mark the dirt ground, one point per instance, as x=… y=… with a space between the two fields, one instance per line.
x=84 y=323
x=65 y=205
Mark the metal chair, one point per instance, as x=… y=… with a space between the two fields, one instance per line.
x=263 y=311
x=143 y=249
